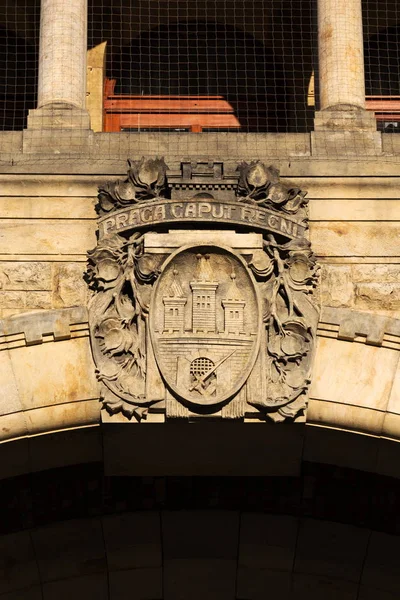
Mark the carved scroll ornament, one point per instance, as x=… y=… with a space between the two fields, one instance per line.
x=206 y=328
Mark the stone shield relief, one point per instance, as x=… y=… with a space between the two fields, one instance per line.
x=216 y=320
x=205 y=322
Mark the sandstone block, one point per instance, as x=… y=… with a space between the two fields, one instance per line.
x=337 y=288
x=69 y=287
x=36 y=300
x=12 y=299
x=376 y=273
x=341 y=238
x=378 y=296
x=337 y=362
x=40 y=236
x=25 y=276
x=59 y=373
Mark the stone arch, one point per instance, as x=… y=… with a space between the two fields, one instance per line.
x=77 y=533
x=49 y=398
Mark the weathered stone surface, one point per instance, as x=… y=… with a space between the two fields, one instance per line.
x=353 y=324
x=341 y=238
x=354 y=209
x=345 y=143
x=62 y=56
x=9 y=395
x=372 y=186
x=347 y=417
x=12 y=299
x=11 y=141
x=50 y=374
x=376 y=273
x=380 y=296
x=81 y=413
x=337 y=288
x=34 y=300
x=14 y=302
x=25 y=276
x=36 y=324
x=10 y=312
x=71 y=139
x=49 y=207
x=340 y=49
x=394 y=400
x=38 y=236
x=343 y=121
x=69 y=288
x=333 y=379
x=391 y=143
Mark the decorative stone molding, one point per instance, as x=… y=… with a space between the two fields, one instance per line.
x=33 y=326
x=351 y=325
x=200 y=328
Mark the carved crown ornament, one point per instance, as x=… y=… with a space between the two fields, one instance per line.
x=202 y=302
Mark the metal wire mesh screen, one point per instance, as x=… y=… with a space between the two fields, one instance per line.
x=229 y=65
x=381 y=23
x=19 y=47
x=201 y=66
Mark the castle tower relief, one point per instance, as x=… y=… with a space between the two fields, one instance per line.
x=234 y=308
x=204 y=289
x=174 y=306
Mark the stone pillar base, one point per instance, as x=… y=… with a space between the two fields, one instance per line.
x=345 y=144
x=58 y=116
x=344 y=118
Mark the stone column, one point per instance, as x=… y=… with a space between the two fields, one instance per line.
x=341 y=67
x=62 y=66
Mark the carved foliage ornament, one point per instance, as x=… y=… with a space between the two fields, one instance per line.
x=186 y=327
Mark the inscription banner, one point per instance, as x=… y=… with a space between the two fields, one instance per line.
x=193 y=211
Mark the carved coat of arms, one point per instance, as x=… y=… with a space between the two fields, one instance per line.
x=202 y=294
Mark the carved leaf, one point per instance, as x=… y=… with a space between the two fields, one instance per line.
x=257 y=175
x=292 y=344
x=108 y=269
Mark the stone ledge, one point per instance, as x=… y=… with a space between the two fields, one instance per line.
x=353 y=324
x=47 y=322
x=106 y=153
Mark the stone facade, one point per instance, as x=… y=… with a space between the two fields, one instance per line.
x=167 y=500
x=49 y=177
